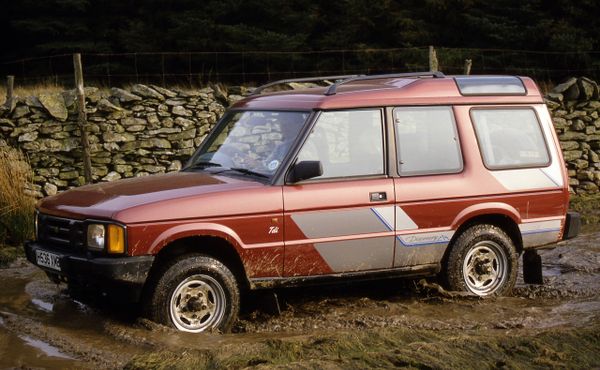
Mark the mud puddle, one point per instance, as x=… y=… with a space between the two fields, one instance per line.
x=40 y=326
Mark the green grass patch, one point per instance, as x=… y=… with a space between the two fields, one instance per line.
x=391 y=348
x=589 y=208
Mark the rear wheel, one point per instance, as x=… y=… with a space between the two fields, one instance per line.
x=483 y=260
x=195 y=293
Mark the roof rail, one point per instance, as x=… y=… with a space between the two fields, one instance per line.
x=333 y=88
x=259 y=89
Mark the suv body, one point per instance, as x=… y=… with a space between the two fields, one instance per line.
x=411 y=174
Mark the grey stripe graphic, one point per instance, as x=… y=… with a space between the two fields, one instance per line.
x=358 y=255
x=338 y=223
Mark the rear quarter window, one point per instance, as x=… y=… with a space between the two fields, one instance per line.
x=510 y=138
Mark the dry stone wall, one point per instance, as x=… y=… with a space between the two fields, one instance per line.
x=135 y=132
x=149 y=129
x=575 y=109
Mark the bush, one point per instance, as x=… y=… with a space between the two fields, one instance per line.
x=16 y=204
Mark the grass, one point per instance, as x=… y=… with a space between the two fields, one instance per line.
x=16 y=205
x=31 y=90
x=589 y=208
x=397 y=347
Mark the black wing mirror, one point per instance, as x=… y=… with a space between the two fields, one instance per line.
x=305 y=170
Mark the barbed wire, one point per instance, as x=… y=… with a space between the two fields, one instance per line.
x=239 y=67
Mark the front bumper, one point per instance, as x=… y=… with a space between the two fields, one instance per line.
x=89 y=269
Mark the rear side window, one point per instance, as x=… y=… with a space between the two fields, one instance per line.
x=427 y=141
x=510 y=138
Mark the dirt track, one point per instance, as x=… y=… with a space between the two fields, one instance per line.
x=384 y=324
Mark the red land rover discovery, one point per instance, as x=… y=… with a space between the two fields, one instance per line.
x=373 y=176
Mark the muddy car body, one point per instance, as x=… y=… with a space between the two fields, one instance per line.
x=373 y=176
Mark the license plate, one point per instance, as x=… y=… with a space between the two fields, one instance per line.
x=48 y=259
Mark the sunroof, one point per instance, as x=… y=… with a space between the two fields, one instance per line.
x=490 y=85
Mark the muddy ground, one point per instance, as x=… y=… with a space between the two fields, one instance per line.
x=393 y=323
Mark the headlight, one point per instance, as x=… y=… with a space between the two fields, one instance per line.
x=107 y=237
x=96 y=236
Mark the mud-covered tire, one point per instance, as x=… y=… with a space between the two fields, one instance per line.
x=194 y=293
x=482 y=260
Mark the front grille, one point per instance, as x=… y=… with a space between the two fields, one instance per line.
x=61 y=232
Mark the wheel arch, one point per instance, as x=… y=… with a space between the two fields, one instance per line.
x=215 y=246
x=501 y=215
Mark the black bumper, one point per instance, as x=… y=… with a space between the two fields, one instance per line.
x=572 y=225
x=103 y=270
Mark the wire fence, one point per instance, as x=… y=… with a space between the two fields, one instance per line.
x=251 y=67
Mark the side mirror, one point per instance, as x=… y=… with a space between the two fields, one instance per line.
x=305 y=170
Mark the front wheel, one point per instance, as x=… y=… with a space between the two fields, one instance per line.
x=196 y=293
x=483 y=260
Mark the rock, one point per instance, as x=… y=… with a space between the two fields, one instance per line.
x=113 y=137
x=184 y=123
x=50 y=189
x=163 y=91
x=572 y=93
x=153 y=169
x=33 y=101
x=570 y=136
x=565 y=85
x=20 y=111
x=135 y=128
x=68 y=175
x=174 y=166
x=569 y=145
x=146 y=92
x=188 y=134
x=578 y=125
x=571 y=155
x=130 y=121
x=122 y=168
x=106 y=106
x=588 y=88
x=55 y=105
x=181 y=111
x=50 y=128
x=175 y=102
x=123 y=96
x=111 y=176
x=557 y=97
x=28 y=137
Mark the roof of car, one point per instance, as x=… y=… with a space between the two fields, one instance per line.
x=379 y=91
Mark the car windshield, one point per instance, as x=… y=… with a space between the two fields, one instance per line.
x=252 y=143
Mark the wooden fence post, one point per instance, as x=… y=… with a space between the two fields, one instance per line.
x=433 y=60
x=10 y=93
x=468 y=64
x=82 y=119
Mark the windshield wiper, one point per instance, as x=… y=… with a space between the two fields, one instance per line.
x=249 y=172
x=202 y=164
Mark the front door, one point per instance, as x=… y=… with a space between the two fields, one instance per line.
x=342 y=221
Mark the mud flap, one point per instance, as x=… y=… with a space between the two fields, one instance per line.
x=532 y=267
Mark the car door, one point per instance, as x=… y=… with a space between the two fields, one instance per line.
x=431 y=180
x=341 y=221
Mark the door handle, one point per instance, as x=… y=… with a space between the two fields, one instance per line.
x=378 y=196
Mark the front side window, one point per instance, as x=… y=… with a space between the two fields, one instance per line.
x=427 y=141
x=347 y=143
x=510 y=138
x=250 y=142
